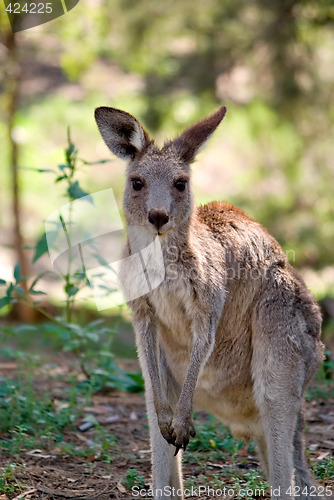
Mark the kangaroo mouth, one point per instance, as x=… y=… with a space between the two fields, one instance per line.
x=163 y=232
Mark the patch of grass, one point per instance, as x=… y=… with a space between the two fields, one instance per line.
x=104 y=443
x=216 y=441
x=323 y=386
x=29 y=419
x=192 y=483
x=246 y=485
x=8 y=482
x=320 y=390
x=214 y=437
x=324 y=469
x=133 y=478
x=97 y=448
x=250 y=485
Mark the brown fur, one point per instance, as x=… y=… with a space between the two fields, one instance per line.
x=231 y=329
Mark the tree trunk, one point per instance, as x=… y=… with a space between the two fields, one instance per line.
x=13 y=82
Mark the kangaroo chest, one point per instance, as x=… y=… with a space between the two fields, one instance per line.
x=170 y=308
x=175 y=335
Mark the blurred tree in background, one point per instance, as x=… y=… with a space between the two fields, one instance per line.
x=275 y=60
x=271 y=63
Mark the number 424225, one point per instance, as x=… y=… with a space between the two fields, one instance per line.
x=31 y=8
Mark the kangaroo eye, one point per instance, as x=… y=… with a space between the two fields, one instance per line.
x=180 y=184
x=137 y=184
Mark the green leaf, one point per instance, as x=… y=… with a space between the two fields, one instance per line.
x=71 y=345
x=17 y=273
x=77 y=329
x=95 y=323
x=41 y=247
x=91 y=418
x=101 y=372
x=40 y=170
x=37 y=292
x=79 y=276
x=94 y=337
x=19 y=290
x=36 y=280
x=72 y=290
x=99 y=162
x=76 y=192
x=69 y=151
x=106 y=354
x=138 y=379
x=60 y=178
x=26 y=329
x=2 y=282
x=4 y=301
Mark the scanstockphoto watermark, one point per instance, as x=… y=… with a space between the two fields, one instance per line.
x=87 y=237
x=247 y=265
x=197 y=491
x=225 y=492
x=25 y=14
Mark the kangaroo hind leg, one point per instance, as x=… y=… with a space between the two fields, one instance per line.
x=279 y=374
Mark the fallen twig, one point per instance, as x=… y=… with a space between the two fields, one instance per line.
x=25 y=493
x=59 y=493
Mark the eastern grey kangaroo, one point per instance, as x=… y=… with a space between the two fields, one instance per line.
x=232 y=328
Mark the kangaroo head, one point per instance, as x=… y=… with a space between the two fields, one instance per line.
x=157 y=194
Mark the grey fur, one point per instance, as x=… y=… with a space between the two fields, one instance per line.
x=232 y=329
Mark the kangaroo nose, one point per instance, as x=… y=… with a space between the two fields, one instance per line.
x=158 y=218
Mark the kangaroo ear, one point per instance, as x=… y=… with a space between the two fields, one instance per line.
x=193 y=138
x=121 y=132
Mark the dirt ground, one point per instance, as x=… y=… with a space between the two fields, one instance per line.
x=48 y=475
